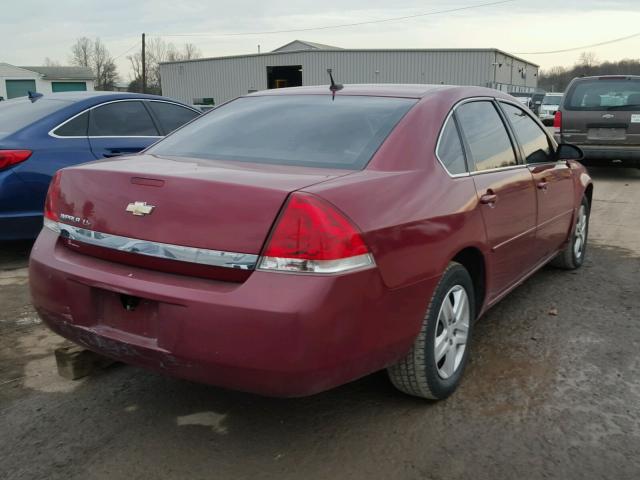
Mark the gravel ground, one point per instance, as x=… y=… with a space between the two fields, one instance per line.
x=552 y=391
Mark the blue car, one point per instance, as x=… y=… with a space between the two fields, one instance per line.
x=41 y=134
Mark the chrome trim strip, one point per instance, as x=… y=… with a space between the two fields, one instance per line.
x=316 y=267
x=520 y=235
x=202 y=256
x=498 y=169
x=51 y=134
x=557 y=217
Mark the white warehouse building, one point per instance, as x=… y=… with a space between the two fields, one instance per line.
x=216 y=80
x=18 y=81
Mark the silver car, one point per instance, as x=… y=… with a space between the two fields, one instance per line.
x=549 y=107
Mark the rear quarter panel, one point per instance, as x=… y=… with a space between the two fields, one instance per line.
x=415 y=217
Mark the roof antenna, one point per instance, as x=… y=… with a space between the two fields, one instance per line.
x=33 y=96
x=334 y=87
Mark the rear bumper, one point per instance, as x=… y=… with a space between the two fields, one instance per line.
x=275 y=334
x=19 y=220
x=626 y=154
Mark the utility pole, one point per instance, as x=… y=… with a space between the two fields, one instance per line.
x=144 y=66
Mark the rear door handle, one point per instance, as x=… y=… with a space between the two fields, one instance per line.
x=543 y=185
x=489 y=198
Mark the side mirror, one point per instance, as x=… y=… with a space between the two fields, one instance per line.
x=566 y=151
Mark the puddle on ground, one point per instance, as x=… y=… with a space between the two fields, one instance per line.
x=204 y=419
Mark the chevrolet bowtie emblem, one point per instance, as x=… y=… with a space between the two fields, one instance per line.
x=140 y=208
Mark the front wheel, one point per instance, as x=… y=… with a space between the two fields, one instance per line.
x=572 y=256
x=434 y=365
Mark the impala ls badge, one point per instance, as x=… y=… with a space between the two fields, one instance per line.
x=140 y=208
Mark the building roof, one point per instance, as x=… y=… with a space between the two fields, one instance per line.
x=304 y=45
x=358 y=50
x=63 y=73
x=402 y=90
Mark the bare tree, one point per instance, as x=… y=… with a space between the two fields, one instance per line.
x=51 y=63
x=94 y=54
x=136 y=64
x=81 y=52
x=557 y=78
x=190 y=52
x=158 y=51
x=587 y=59
x=103 y=66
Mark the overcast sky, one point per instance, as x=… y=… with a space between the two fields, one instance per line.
x=32 y=30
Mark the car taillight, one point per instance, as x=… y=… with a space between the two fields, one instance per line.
x=12 y=157
x=51 y=204
x=557 y=122
x=312 y=236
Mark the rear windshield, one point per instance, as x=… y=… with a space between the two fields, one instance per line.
x=306 y=130
x=552 y=100
x=20 y=112
x=605 y=94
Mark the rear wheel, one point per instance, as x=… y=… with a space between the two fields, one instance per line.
x=572 y=256
x=434 y=366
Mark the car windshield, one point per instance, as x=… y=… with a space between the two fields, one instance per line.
x=306 y=130
x=604 y=94
x=552 y=100
x=20 y=112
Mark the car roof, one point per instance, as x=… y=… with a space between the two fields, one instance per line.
x=381 y=90
x=98 y=96
x=554 y=94
x=601 y=77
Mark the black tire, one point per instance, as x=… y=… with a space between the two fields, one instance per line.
x=569 y=258
x=418 y=373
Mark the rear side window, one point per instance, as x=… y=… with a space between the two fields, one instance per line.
x=486 y=136
x=306 y=130
x=551 y=100
x=171 y=116
x=533 y=140
x=121 y=119
x=76 y=127
x=450 y=150
x=20 y=112
x=604 y=94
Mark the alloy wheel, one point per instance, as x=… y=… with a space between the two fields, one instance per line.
x=452 y=330
x=580 y=236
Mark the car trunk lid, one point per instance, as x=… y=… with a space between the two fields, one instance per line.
x=200 y=204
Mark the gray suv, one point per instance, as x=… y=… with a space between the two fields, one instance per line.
x=601 y=115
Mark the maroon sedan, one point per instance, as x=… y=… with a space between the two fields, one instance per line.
x=290 y=241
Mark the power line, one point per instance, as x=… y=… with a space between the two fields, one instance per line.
x=573 y=49
x=127 y=50
x=327 y=27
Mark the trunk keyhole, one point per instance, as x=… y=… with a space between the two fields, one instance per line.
x=129 y=302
